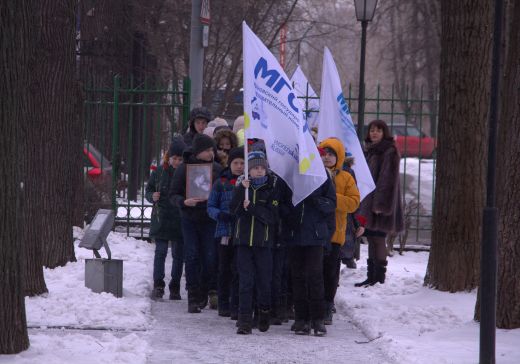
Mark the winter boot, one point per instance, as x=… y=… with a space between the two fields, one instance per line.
x=234 y=315
x=224 y=312
x=193 y=301
x=380 y=271
x=350 y=263
x=158 y=290
x=328 y=313
x=244 y=324
x=263 y=320
x=301 y=327
x=319 y=328
x=175 y=292
x=370 y=275
x=213 y=299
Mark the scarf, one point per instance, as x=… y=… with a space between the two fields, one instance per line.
x=256 y=182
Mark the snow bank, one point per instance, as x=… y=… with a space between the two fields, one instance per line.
x=56 y=348
x=415 y=324
x=69 y=303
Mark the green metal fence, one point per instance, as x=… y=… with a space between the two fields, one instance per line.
x=131 y=123
x=407 y=116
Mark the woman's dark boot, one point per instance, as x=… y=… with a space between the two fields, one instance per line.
x=370 y=281
x=380 y=271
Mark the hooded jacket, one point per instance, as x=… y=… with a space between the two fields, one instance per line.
x=347 y=193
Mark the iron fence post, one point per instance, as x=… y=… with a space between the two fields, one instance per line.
x=115 y=141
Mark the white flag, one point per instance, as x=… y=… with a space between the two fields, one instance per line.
x=335 y=121
x=303 y=89
x=272 y=112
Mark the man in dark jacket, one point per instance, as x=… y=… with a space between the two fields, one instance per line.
x=199 y=119
x=166 y=222
x=197 y=227
x=308 y=228
x=256 y=218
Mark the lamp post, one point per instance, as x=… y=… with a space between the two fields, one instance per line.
x=488 y=252
x=365 y=10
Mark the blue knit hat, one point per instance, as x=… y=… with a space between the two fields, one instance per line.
x=256 y=158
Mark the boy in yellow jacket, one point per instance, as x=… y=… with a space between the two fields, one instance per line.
x=347 y=196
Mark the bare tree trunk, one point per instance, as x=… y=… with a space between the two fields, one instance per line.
x=462 y=150
x=508 y=277
x=15 y=49
x=54 y=91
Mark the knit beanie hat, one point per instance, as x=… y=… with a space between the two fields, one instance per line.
x=235 y=153
x=177 y=146
x=201 y=142
x=256 y=158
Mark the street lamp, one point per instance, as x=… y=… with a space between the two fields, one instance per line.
x=365 y=10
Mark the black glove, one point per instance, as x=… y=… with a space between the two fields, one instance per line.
x=225 y=216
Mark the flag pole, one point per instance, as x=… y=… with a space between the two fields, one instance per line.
x=246 y=163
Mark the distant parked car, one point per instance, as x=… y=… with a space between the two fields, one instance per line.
x=411 y=142
x=97 y=168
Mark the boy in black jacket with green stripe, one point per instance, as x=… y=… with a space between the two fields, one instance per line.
x=254 y=237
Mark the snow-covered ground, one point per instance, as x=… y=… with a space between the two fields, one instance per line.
x=70 y=304
x=403 y=321
x=416 y=324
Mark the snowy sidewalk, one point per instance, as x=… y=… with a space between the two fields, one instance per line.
x=179 y=337
x=404 y=321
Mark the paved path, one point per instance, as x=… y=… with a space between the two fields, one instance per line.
x=179 y=337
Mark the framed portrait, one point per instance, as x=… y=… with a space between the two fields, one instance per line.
x=198 y=180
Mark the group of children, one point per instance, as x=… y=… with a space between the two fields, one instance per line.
x=248 y=251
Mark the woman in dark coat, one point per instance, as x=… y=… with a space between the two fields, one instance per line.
x=382 y=208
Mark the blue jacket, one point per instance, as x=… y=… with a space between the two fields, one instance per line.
x=219 y=200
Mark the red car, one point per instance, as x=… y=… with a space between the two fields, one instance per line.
x=411 y=142
x=97 y=167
